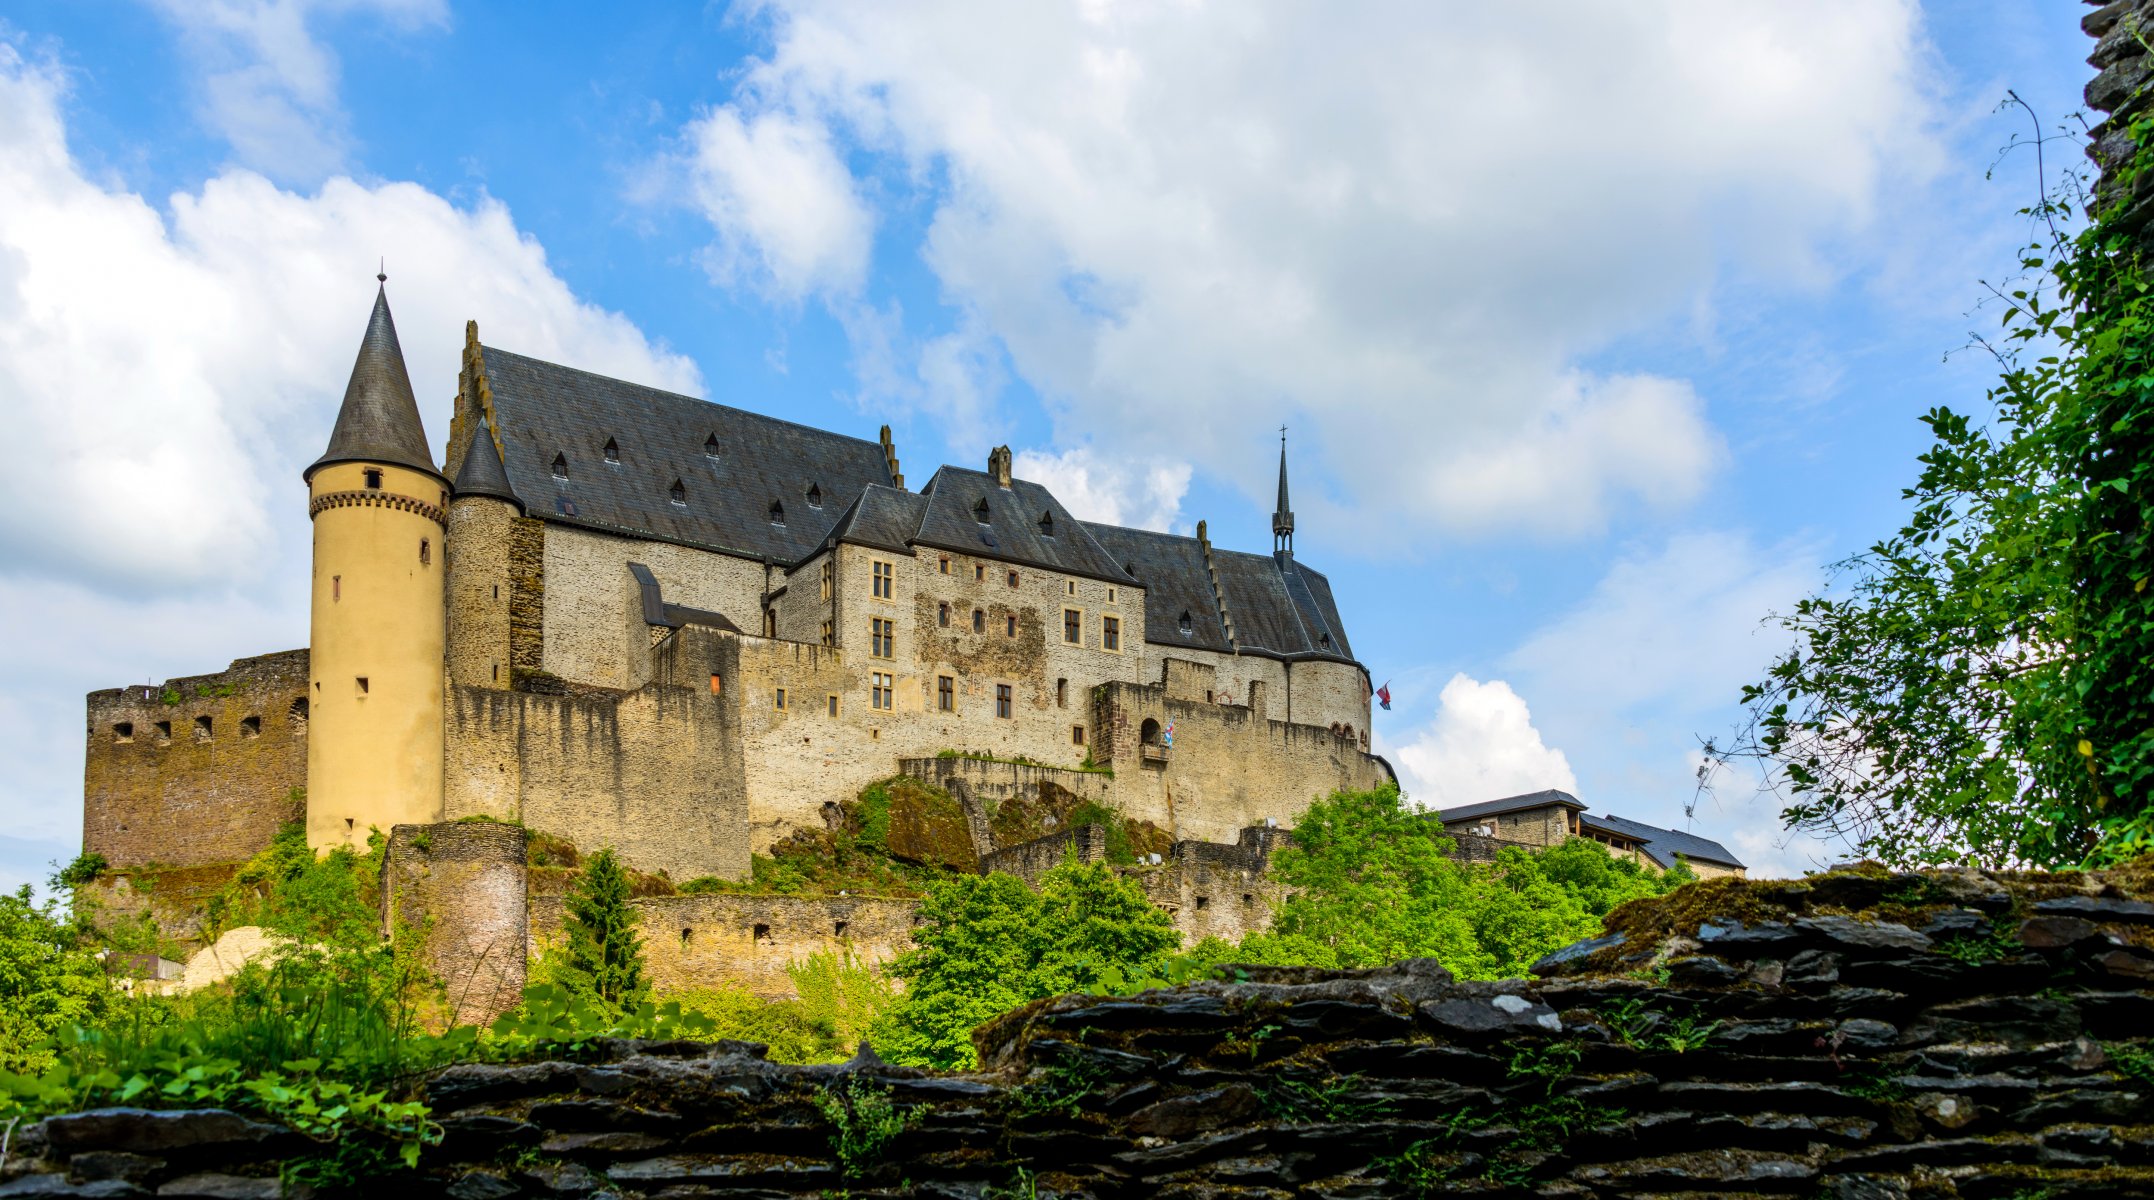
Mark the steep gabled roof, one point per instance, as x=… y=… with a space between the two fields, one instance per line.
x=1012 y=531
x=379 y=419
x=1662 y=845
x=660 y=437
x=1280 y=608
x=481 y=473
x=883 y=517
x=1524 y=803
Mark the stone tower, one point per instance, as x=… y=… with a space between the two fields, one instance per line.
x=482 y=514
x=377 y=501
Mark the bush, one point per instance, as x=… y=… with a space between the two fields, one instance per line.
x=48 y=979
x=603 y=948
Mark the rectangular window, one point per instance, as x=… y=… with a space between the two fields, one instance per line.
x=1072 y=626
x=780 y=705
x=1009 y=625
x=1013 y=579
x=833 y=706
x=945 y=694
x=830 y=576
x=1062 y=693
x=979 y=572
x=830 y=633
x=1002 y=699
x=716 y=685
x=944 y=564
x=979 y=621
x=1076 y=735
x=882 y=637
x=885 y=586
x=1110 y=595
x=1072 y=586
x=942 y=614
x=1110 y=633
x=879 y=695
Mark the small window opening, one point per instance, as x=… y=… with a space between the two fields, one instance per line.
x=716 y=685
x=296 y=715
x=250 y=727
x=1324 y=640
x=1047 y=524
x=1187 y=624
x=687 y=932
x=123 y=732
x=1009 y=625
x=1203 y=902
x=560 y=466
x=678 y=493
x=815 y=496
x=979 y=621
x=1076 y=735
x=497 y=591
x=780 y=705
x=201 y=729
x=362 y=685
x=979 y=572
x=777 y=513
x=838 y=928
x=347 y=824
x=710 y=446
x=979 y=511
x=1062 y=693
x=942 y=614
x=762 y=933
x=1207 y=695
x=833 y=701
x=1013 y=579
x=164 y=732
x=613 y=452
x=943 y=564
x=497 y=672
x=1248 y=898
x=336 y=587
x=426 y=551
x=1110 y=595
x=373 y=479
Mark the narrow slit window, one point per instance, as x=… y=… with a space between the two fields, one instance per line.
x=426 y=551
x=362 y=685
x=833 y=705
x=942 y=614
x=780 y=705
x=1009 y=625
x=1062 y=693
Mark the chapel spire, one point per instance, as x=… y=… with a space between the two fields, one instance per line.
x=1282 y=517
x=379 y=419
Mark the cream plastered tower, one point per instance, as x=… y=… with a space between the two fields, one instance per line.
x=374 y=740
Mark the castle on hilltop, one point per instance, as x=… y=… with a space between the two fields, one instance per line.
x=684 y=630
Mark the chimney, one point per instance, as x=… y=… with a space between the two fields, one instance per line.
x=998 y=465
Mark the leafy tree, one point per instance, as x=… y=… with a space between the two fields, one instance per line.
x=603 y=948
x=988 y=943
x=48 y=980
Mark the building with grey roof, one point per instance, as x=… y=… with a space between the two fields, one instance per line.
x=1549 y=817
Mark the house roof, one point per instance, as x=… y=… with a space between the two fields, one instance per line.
x=1025 y=524
x=1530 y=800
x=752 y=462
x=1281 y=609
x=379 y=418
x=481 y=473
x=1662 y=845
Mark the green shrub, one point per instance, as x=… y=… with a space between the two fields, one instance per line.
x=603 y=947
x=48 y=979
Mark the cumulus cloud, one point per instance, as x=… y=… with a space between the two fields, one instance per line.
x=1481 y=745
x=1412 y=224
x=269 y=87
x=1143 y=494
x=787 y=214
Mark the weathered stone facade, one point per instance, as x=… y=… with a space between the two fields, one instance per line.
x=705 y=941
x=460 y=888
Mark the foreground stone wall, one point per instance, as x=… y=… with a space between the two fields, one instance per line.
x=1854 y=1036
x=459 y=887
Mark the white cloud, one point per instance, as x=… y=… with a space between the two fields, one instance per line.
x=167 y=374
x=1409 y=223
x=1141 y=493
x=1481 y=745
x=269 y=87
x=784 y=205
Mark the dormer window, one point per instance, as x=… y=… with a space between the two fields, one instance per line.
x=613 y=452
x=815 y=496
x=979 y=511
x=1188 y=625
x=777 y=513
x=678 y=493
x=1047 y=524
x=710 y=445
x=1324 y=640
x=560 y=466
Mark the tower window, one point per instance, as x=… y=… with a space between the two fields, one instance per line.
x=373 y=479
x=710 y=446
x=250 y=727
x=201 y=729
x=560 y=466
x=1002 y=700
x=123 y=732
x=979 y=511
x=426 y=551
x=1013 y=579
x=1110 y=633
x=815 y=496
x=613 y=451
x=777 y=513
x=678 y=493
x=362 y=685
x=1047 y=524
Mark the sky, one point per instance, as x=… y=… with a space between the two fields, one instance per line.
x=1599 y=331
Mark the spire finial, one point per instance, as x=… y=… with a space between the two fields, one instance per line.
x=1282 y=517
x=381 y=275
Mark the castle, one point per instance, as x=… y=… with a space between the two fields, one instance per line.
x=680 y=629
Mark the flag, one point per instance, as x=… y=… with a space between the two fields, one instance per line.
x=1167 y=738
x=1384 y=694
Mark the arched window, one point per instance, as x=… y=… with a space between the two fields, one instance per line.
x=560 y=466
x=1148 y=733
x=613 y=451
x=678 y=493
x=979 y=511
x=710 y=445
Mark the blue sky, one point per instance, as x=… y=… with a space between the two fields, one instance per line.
x=1599 y=330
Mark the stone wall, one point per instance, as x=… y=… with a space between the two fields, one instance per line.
x=594 y=626
x=707 y=941
x=459 y=887
x=993 y=781
x=1856 y=1036
x=1215 y=890
x=199 y=769
x=1030 y=860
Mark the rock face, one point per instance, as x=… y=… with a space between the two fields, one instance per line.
x=1861 y=1034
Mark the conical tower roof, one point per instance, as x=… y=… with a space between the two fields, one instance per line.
x=379 y=420
x=481 y=473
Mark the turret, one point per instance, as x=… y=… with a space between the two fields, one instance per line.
x=1282 y=517
x=374 y=741
x=483 y=509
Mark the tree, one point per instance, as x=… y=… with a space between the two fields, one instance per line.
x=48 y=980
x=604 y=951
x=987 y=943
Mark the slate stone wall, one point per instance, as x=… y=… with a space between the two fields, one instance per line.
x=1856 y=1036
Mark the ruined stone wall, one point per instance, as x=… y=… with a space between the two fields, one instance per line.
x=1855 y=1036
x=1227 y=769
x=593 y=614
x=655 y=773
x=1030 y=860
x=199 y=769
x=712 y=941
x=459 y=887
x=995 y=782
x=1217 y=890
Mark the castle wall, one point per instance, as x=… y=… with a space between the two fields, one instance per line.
x=655 y=773
x=459 y=888
x=159 y=787
x=1227 y=768
x=1216 y=890
x=706 y=941
x=1310 y=692
x=1030 y=860
x=593 y=619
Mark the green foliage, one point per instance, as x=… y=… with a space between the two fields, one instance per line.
x=334 y=899
x=1061 y=1088
x=49 y=979
x=854 y=858
x=1306 y=1098
x=603 y=947
x=864 y=1121
x=840 y=999
x=1972 y=948
x=1374 y=882
x=987 y=943
x=86 y=868
x=2132 y=1059
x=1541 y=1121
x=1091 y=812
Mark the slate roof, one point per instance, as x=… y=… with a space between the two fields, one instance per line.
x=481 y=473
x=1012 y=532
x=1662 y=845
x=379 y=418
x=1531 y=800
x=1281 y=608
x=659 y=437
x=1175 y=582
x=884 y=517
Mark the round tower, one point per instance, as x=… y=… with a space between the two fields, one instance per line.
x=482 y=516
x=374 y=739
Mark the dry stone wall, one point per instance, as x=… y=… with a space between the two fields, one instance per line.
x=706 y=941
x=1857 y=1036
